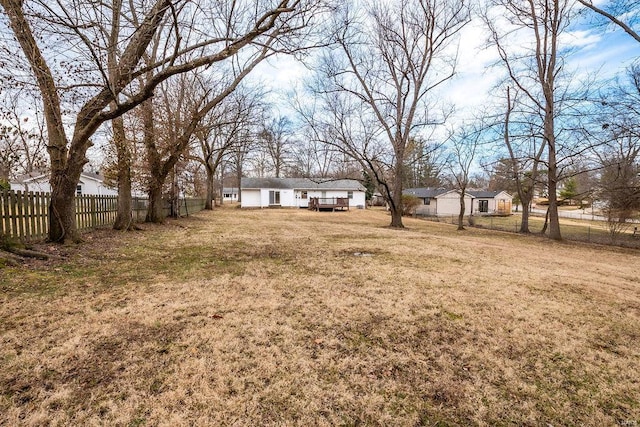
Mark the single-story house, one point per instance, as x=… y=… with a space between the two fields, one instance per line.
x=296 y=192
x=443 y=202
x=90 y=184
x=230 y=194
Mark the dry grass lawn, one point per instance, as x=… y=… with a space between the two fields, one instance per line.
x=286 y=317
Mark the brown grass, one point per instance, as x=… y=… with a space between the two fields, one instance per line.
x=286 y=317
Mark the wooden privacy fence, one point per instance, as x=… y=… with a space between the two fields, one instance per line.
x=25 y=215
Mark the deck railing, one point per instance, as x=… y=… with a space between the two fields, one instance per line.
x=333 y=203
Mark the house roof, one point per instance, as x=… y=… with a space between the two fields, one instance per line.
x=436 y=192
x=32 y=176
x=485 y=194
x=39 y=176
x=425 y=192
x=302 y=184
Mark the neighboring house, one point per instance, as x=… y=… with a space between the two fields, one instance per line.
x=296 y=192
x=90 y=184
x=491 y=202
x=377 y=200
x=442 y=202
x=230 y=194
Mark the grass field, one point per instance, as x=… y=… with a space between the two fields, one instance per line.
x=287 y=317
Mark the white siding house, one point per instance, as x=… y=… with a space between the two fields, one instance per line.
x=296 y=192
x=230 y=194
x=90 y=184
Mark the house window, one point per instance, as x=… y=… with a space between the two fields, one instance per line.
x=427 y=200
x=483 y=205
x=304 y=195
x=78 y=190
x=274 y=197
x=350 y=194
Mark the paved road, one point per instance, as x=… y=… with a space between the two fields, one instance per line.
x=584 y=214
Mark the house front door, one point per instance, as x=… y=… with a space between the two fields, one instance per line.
x=274 y=198
x=303 y=199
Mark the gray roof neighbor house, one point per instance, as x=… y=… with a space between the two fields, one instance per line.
x=439 y=201
x=425 y=192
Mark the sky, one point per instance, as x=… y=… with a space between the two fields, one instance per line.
x=607 y=54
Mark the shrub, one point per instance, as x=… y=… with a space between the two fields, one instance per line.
x=409 y=204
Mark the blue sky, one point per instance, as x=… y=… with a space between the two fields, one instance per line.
x=605 y=52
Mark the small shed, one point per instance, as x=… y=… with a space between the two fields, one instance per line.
x=491 y=202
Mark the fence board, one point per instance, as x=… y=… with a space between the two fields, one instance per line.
x=32 y=213
x=4 y=205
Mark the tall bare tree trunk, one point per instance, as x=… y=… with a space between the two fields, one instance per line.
x=156 y=177
x=62 y=212
x=552 y=177
x=155 y=210
x=208 y=203
x=396 y=196
x=462 y=210
x=526 y=205
x=239 y=178
x=123 y=215
x=123 y=219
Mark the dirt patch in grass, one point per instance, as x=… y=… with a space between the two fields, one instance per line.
x=269 y=317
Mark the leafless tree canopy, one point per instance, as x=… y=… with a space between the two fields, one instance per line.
x=374 y=83
x=70 y=48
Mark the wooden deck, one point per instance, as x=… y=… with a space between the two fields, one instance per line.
x=328 y=203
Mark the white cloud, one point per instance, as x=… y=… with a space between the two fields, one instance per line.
x=579 y=39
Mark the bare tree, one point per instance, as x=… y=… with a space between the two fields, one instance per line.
x=616 y=132
x=388 y=59
x=620 y=182
x=313 y=158
x=275 y=140
x=535 y=69
x=224 y=132
x=184 y=112
x=463 y=146
x=423 y=163
x=525 y=148
x=108 y=95
x=22 y=136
